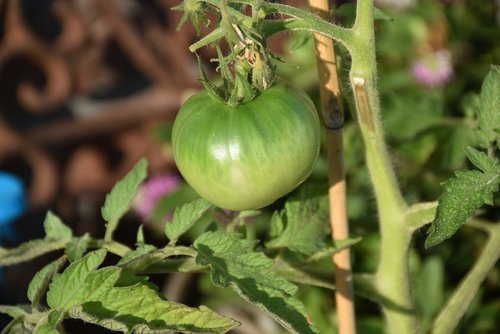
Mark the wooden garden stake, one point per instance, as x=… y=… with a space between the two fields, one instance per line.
x=333 y=116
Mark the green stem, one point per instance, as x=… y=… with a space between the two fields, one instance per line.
x=177 y=251
x=420 y=214
x=301 y=20
x=449 y=317
x=392 y=277
x=111 y=246
x=141 y=263
x=110 y=229
x=175 y=265
x=311 y=22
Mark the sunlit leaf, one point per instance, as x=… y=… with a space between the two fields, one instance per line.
x=184 y=218
x=234 y=264
x=119 y=200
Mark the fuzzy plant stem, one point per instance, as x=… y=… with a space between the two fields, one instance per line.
x=392 y=277
x=333 y=117
x=449 y=317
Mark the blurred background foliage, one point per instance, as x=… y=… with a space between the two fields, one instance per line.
x=432 y=57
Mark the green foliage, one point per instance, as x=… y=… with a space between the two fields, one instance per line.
x=430 y=286
x=470 y=190
x=489 y=115
x=48 y=324
x=138 y=309
x=234 y=263
x=55 y=229
x=406 y=123
x=40 y=282
x=184 y=218
x=77 y=247
x=69 y=288
x=302 y=225
x=45 y=329
x=29 y=250
x=120 y=199
x=57 y=236
x=463 y=194
x=141 y=250
x=85 y=292
x=140 y=235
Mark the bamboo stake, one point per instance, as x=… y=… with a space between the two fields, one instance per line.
x=333 y=117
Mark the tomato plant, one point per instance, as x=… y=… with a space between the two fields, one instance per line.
x=247 y=156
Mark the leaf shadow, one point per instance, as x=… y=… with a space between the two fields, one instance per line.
x=280 y=305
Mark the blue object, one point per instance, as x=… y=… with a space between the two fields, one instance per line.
x=12 y=198
x=12 y=203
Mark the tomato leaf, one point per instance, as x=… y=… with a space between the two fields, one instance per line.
x=184 y=218
x=55 y=317
x=57 y=235
x=401 y=123
x=335 y=247
x=49 y=322
x=307 y=224
x=463 y=194
x=489 y=115
x=29 y=250
x=140 y=235
x=299 y=275
x=277 y=225
x=45 y=329
x=67 y=289
x=429 y=292
x=40 y=282
x=139 y=309
x=55 y=228
x=119 y=200
x=234 y=264
x=482 y=161
x=141 y=250
x=77 y=247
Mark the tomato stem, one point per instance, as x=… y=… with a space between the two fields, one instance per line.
x=392 y=276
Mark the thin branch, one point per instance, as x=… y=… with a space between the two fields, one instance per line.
x=420 y=214
x=451 y=314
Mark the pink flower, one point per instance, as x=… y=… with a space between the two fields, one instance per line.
x=434 y=69
x=152 y=191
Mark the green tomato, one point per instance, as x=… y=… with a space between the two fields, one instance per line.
x=246 y=157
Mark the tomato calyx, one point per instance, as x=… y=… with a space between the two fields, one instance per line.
x=194 y=11
x=250 y=75
x=246 y=69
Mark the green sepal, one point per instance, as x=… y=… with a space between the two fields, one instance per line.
x=247 y=91
x=213 y=91
x=227 y=78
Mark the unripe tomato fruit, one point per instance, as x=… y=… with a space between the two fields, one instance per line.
x=246 y=157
